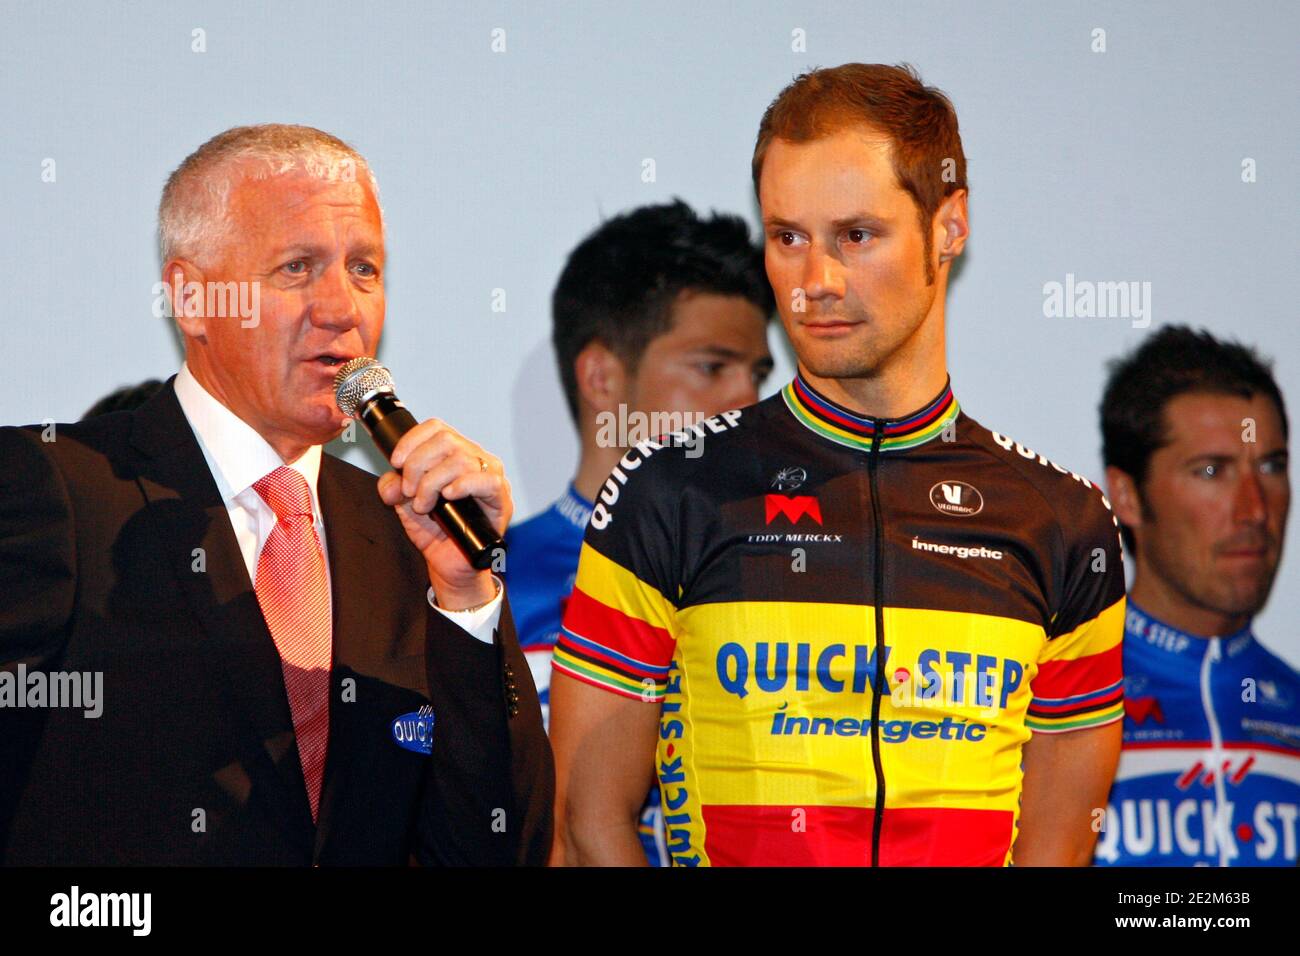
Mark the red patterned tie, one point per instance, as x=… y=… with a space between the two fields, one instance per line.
x=294 y=594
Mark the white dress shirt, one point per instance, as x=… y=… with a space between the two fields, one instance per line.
x=238 y=457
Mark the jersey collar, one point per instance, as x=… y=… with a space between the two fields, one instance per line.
x=835 y=422
x=1142 y=629
x=574 y=508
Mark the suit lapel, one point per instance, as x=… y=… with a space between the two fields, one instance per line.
x=194 y=528
x=356 y=611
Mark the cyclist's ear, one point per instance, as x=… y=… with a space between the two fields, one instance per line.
x=601 y=377
x=1125 y=499
x=951 y=226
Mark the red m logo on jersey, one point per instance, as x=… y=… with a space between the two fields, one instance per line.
x=793 y=507
x=1138 y=709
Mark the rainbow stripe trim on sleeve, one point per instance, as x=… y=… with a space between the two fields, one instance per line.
x=1080 y=680
x=1052 y=715
x=600 y=666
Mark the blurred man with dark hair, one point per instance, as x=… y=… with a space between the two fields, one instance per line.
x=660 y=320
x=1195 y=443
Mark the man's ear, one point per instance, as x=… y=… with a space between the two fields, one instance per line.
x=601 y=377
x=951 y=228
x=185 y=285
x=1124 y=499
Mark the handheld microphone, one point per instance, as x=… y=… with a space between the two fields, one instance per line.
x=363 y=389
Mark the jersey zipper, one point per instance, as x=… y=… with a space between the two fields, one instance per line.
x=878 y=679
x=1212 y=656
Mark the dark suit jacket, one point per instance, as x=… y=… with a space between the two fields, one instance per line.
x=193 y=760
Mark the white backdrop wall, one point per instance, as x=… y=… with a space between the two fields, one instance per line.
x=1116 y=165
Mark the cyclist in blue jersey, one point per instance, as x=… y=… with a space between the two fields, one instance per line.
x=1195 y=443
x=660 y=320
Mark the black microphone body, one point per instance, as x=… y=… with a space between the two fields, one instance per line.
x=387 y=420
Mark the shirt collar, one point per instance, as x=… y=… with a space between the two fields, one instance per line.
x=236 y=454
x=1139 y=626
x=855 y=430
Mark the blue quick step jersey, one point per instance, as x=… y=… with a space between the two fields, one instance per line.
x=1210 y=770
x=541 y=562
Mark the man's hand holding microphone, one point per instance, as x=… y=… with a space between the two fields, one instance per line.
x=451 y=495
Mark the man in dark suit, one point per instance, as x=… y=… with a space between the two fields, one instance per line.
x=217 y=644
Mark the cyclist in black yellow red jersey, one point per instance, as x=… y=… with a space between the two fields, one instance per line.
x=847 y=625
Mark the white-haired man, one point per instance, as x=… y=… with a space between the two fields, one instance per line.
x=287 y=667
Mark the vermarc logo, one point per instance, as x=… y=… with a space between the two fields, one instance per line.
x=957 y=498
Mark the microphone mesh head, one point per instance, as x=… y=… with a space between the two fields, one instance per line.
x=357 y=380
